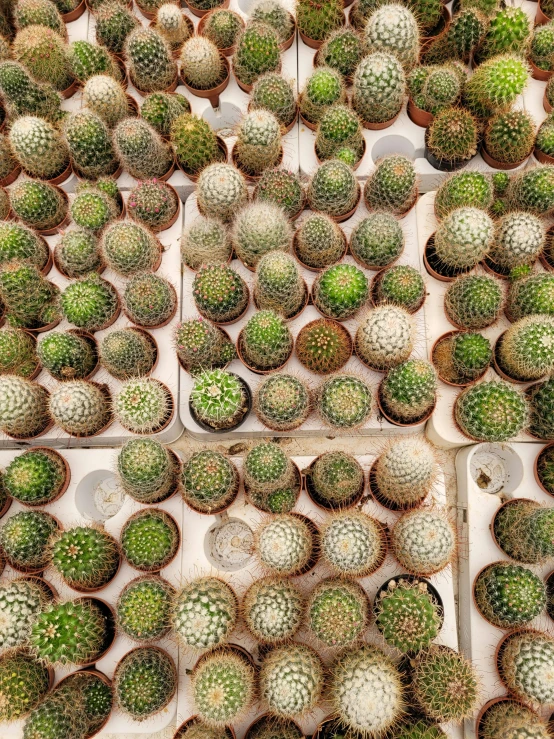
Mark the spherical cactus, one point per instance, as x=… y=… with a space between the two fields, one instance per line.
x=220 y=294
x=473 y=302
x=149 y=300
x=265 y=341
x=206 y=241
x=172 y=25
x=285 y=544
x=194 y=142
x=61 y=715
x=541 y=419
x=145 y=681
x=77 y=253
x=525 y=350
x=434 y=88
x=260 y=228
x=510 y=137
x=35 y=477
x=525 y=662
x=509 y=596
x=379 y=87
x=544 y=140
x=91 y=303
x=151 y=66
x=23 y=407
x=205 y=613
x=408 y=392
x=522 y=530
x=275 y=15
x=377 y=240
x=335 y=480
x=201 y=345
x=106 y=97
x=17 y=353
x=127 y=353
x=319 y=241
x=24 y=681
x=340 y=291
x=67 y=356
x=339 y=127
x=399 y=285
x=519 y=239
x=93 y=209
x=38 y=204
x=25 y=539
x=223 y=687
x=385 y=337
x=86 y=558
x=273 y=93
x=21 y=601
x=358 y=676
x=491 y=411
x=495 y=85
x=144 y=405
x=144 y=608
x=150 y=540
x=141 y=150
x=219 y=399
x=279 y=285
x=324 y=88
x=22 y=95
x=342 y=50
x=421 y=729
x=508 y=718
x=20 y=243
x=221 y=191
x=393 y=185
x=258 y=143
x=87 y=60
x=533 y=190
x=257 y=52
x=291 y=680
x=282 y=403
x=29 y=299
x=509 y=33
x=129 y=247
x=462 y=357
x=161 y=109
x=323 y=346
x=273 y=609
x=202 y=66
x=209 y=482
x=90 y=144
x=222 y=26
x=452 y=137
x=74 y=632
x=445 y=685
x=154 y=204
x=393 y=28
x=353 y=543
x=114 y=23
x=267 y=470
x=462 y=240
x=344 y=402
x=147 y=470
x=80 y=408
x=337 y=612
x=333 y=189
x=404 y=473
x=38 y=147
x=43 y=52
x=318 y=20
x=464 y=189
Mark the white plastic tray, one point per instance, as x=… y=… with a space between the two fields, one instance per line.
x=166 y=369
x=195 y=529
x=313 y=426
x=89 y=469
x=510 y=468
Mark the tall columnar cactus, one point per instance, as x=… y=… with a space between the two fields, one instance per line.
x=144 y=405
x=491 y=411
x=194 y=142
x=463 y=357
x=23 y=407
x=219 y=399
x=340 y=291
x=25 y=539
x=145 y=681
x=35 y=477
x=17 y=353
x=527 y=657
x=202 y=66
x=508 y=718
x=258 y=142
x=510 y=137
x=464 y=189
x=473 y=301
x=344 y=401
x=77 y=253
x=283 y=188
x=291 y=680
x=221 y=191
x=140 y=149
x=149 y=300
x=523 y=530
x=24 y=681
x=147 y=470
x=87 y=59
x=377 y=240
x=533 y=190
x=90 y=144
x=282 y=403
x=323 y=346
x=151 y=66
x=144 y=608
x=424 y=541
x=22 y=95
x=21 y=601
x=127 y=352
x=149 y=540
x=495 y=85
x=405 y=472
x=363 y=672
x=85 y=557
x=393 y=185
x=285 y=544
x=260 y=228
x=337 y=612
x=79 y=408
x=526 y=350
x=279 y=285
x=201 y=345
x=385 y=337
x=407 y=614
x=318 y=20
x=105 y=96
x=161 y=109
x=257 y=52
x=43 y=52
x=209 y=482
x=408 y=392
x=38 y=204
x=114 y=23
x=453 y=136
x=90 y=303
x=273 y=609
x=509 y=32
x=266 y=341
x=508 y=595
x=393 y=28
x=275 y=94
x=463 y=239
x=324 y=88
x=319 y=241
x=204 y=613
x=379 y=87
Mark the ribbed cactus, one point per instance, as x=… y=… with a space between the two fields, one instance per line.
x=291 y=680
x=145 y=681
x=35 y=477
x=318 y=20
x=93 y=209
x=219 y=399
x=285 y=544
x=221 y=191
x=194 y=142
x=526 y=350
x=344 y=402
x=201 y=345
x=149 y=540
x=453 y=136
x=25 y=539
x=510 y=137
x=23 y=407
x=77 y=253
x=319 y=241
x=154 y=204
x=353 y=543
x=141 y=150
x=38 y=204
x=433 y=88
x=495 y=85
x=337 y=612
x=275 y=94
x=466 y=32
x=405 y=473
x=525 y=663
x=462 y=357
x=474 y=301
x=508 y=717
x=324 y=88
x=21 y=601
x=43 y=52
x=258 y=143
x=147 y=470
x=283 y=188
x=24 y=681
x=393 y=28
x=323 y=346
x=149 y=299
x=151 y=66
x=424 y=541
x=542 y=47
x=161 y=109
x=17 y=353
x=29 y=299
x=204 y=613
x=508 y=595
x=282 y=403
x=378 y=88
x=87 y=60
x=266 y=341
x=408 y=392
x=491 y=411
x=275 y=15
x=38 y=147
x=144 y=405
x=171 y=24
x=79 y=408
x=509 y=32
x=90 y=144
x=377 y=240
x=407 y=614
x=340 y=291
x=105 y=96
x=127 y=353
x=38 y=13
x=279 y=285
x=86 y=558
x=257 y=52
x=273 y=609
x=209 y=482
x=202 y=66
x=114 y=23
x=22 y=95
x=533 y=191
x=462 y=240
x=342 y=50
x=523 y=531
x=144 y=608
x=385 y=337
x=129 y=247
x=222 y=26
x=90 y=303
x=363 y=672
x=393 y=185
x=464 y=189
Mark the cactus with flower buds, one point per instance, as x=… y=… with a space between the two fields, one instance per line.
x=153 y=203
x=149 y=300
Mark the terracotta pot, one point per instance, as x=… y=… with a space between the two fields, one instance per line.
x=50 y=259
x=6 y=507
x=199 y=13
x=212 y=94
x=284 y=45
x=498 y=368
x=170 y=88
x=536 y=468
x=252 y=177
x=139 y=514
x=311 y=126
x=298 y=485
x=537 y=73
x=206 y=427
x=256 y=370
x=71 y=90
x=380 y=126
x=549 y=584
x=505 y=166
x=440 y=29
x=489 y=704
x=77 y=12
x=447 y=335
x=541 y=19
x=12 y=177
x=317 y=269
x=103 y=678
x=384 y=501
x=45 y=328
x=426 y=416
x=230 y=50
x=326 y=505
x=542 y=157
x=224 y=506
x=66 y=219
x=67 y=479
x=418 y=116
x=428 y=260
x=223 y=149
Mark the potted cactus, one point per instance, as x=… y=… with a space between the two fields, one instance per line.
x=344 y=402
x=541 y=52
x=424 y=541
x=150 y=540
x=473 y=302
x=21 y=243
x=105 y=96
x=43 y=52
x=143 y=609
x=522 y=353
x=200 y=345
x=335 y=480
x=90 y=145
x=283 y=188
x=532 y=191
x=499 y=716
x=204 y=69
x=260 y=228
x=401 y=285
x=141 y=150
x=23 y=408
x=18 y=353
x=273 y=609
x=286 y=544
x=77 y=253
x=519 y=239
x=270 y=478
x=149 y=300
x=220 y=294
x=407 y=394
x=173 y=25
x=509 y=32
x=148 y=471
x=128 y=352
x=39 y=205
x=273 y=93
x=461 y=357
x=144 y=405
x=316 y=21
x=340 y=291
x=394 y=29
x=519 y=673
x=339 y=129
x=451 y=139
x=153 y=670
x=222 y=26
x=385 y=337
x=154 y=204
x=195 y=144
x=377 y=240
x=82 y=698
x=221 y=191
x=521 y=529
x=22 y=95
x=39 y=149
x=128 y=248
x=491 y=411
x=161 y=109
x=114 y=23
x=323 y=346
x=544 y=142
x=206 y=241
x=282 y=403
x=95 y=565
x=342 y=50
x=257 y=51
x=90 y=303
x=81 y=408
x=209 y=482
x=24 y=682
x=379 y=87
x=25 y=539
x=204 y=613
x=353 y=543
x=219 y=400
x=404 y=474
x=432 y=88
x=151 y=67
x=509 y=139
x=298 y=668
x=265 y=343
x=92 y=210
x=392 y=186
x=87 y=59
x=318 y=242
x=464 y=189
x=258 y=144
x=495 y=85
x=540 y=409
x=323 y=88
x=275 y=15
x=36 y=477
x=21 y=601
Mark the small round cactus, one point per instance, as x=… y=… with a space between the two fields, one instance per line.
x=445 y=685
x=337 y=612
x=145 y=681
x=144 y=608
x=38 y=204
x=258 y=145
x=424 y=541
x=379 y=87
x=141 y=150
x=77 y=253
x=220 y=294
x=377 y=240
x=344 y=402
x=127 y=352
x=394 y=28
x=24 y=681
x=25 y=540
x=491 y=411
x=267 y=470
x=36 y=477
x=285 y=544
x=404 y=473
x=260 y=228
x=496 y=84
x=353 y=543
x=221 y=191
x=204 y=613
x=275 y=15
x=385 y=337
x=90 y=144
x=67 y=356
x=151 y=66
x=279 y=285
x=153 y=204
x=161 y=109
x=462 y=240
x=80 y=408
x=318 y=20
x=257 y=52
x=273 y=93
x=452 y=137
x=61 y=715
x=147 y=470
x=508 y=595
x=87 y=60
x=222 y=26
x=282 y=188
x=18 y=353
x=400 y=285
x=464 y=190
x=338 y=128
x=342 y=50
x=291 y=680
x=128 y=248
x=20 y=243
x=532 y=190
x=323 y=346
x=92 y=210
x=462 y=357
x=219 y=399
x=273 y=609
x=149 y=300
x=91 y=303
x=525 y=662
x=510 y=137
x=530 y=294
x=323 y=88
x=223 y=687
x=43 y=52
x=434 y=88
x=265 y=342
x=106 y=97
x=319 y=241
x=333 y=189
x=335 y=480
x=524 y=352
x=393 y=185
x=201 y=345
x=509 y=717
x=150 y=540
x=206 y=241
x=23 y=407
x=195 y=143
x=209 y=482
x=38 y=147
x=114 y=23
x=408 y=392
x=143 y=405
x=282 y=403
x=86 y=558
x=473 y=302
x=21 y=601
x=340 y=291
x=202 y=65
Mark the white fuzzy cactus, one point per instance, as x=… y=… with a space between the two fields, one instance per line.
x=424 y=541
x=21 y=601
x=260 y=228
x=201 y=63
x=393 y=28
x=366 y=691
x=273 y=609
x=205 y=613
x=379 y=87
x=80 y=408
x=221 y=191
x=527 y=667
x=291 y=680
x=284 y=544
x=38 y=146
x=353 y=543
x=519 y=239
x=23 y=406
x=105 y=96
x=464 y=238
x=170 y=22
x=258 y=141
x=405 y=472
x=385 y=337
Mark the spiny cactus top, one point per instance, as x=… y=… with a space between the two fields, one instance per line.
x=282 y=187
x=88 y=59
x=385 y=337
x=531 y=294
x=202 y=66
x=323 y=88
x=25 y=539
x=87 y=558
x=333 y=189
x=473 y=301
x=394 y=28
x=80 y=408
x=141 y=150
x=161 y=109
x=408 y=391
x=20 y=603
x=509 y=717
x=510 y=137
x=491 y=411
x=17 y=353
x=453 y=135
x=526 y=351
x=274 y=93
x=150 y=63
x=291 y=680
x=379 y=87
x=377 y=240
x=24 y=96
x=18 y=242
x=525 y=666
x=285 y=544
x=114 y=23
x=39 y=205
x=463 y=239
x=61 y=715
x=222 y=26
x=533 y=190
x=129 y=247
x=265 y=341
x=219 y=399
x=145 y=681
x=282 y=403
x=209 y=482
x=541 y=419
x=279 y=285
x=147 y=470
x=469 y=189
x=127 y=353
x=353 y=543
x=144 y=405
x=267 y=468
x=23 y=407
x=257 y=51
x=319 y=241
x=509 y=31
x=205 y=613
x=150 y=539
x=43 y=52
x=509 y=595
x=90 y=144
x=24 y=681
x=35 y=477
x=260 y=228
x=344 y=401
x=106 y=97
x=323 y=346
x=144 y=608
x=273 y=609
x=342 y=50
x=405 y=472
x=206 y=241
x=496 y=84
x=393 y=185
x=338 y=612
x=221 y=190
x=38 y=147
x=149 y=300
x=519 y=239
x=77 y=253
x=340 y=291
x=336 y=479
x=195 y=144
x=339 y=128
x=317 y=20
x=424 y=541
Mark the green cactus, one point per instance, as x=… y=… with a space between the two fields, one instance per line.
x=235 y=678
x=285 y=544
x=43 y=52
x=143 y=405
x=400 y=285
x=90 y=144
x=337 y=612
x=38 y=204
x=541 y=50
x=473 y=302
x=344 y=402
x=282 y=188
x=195 y=143
x=462 y=240
x=17 y=353
x=20 y=243
x=541 y=420
x=385 y=337
x=318 y=20
x=266 y=342
x=114 y=23
x=145 y=681
x=25 y=539
x=275 y=15
x=221 y=191
x=282 y=403
x=23 y=407
x=522 y=529
x=495 y=85
x=258 y=145
x=105 y=96
x=267 y=471
x=273 y=609
x=544 y=140
x=206 y=241
x=491 y=411
x=464 y=189
x=147 y=470
x=291 y=680
x=38 y=147
x=525 y=351
x=149 y=540
x=153 y=203
x=353 y=543
x=149 y=299
x=462 y=357
x=77 y=253
x=445 y=685
x=340 y=291
x=23 y=96
x=144 y=608
x=508 y=718
x=21 y=601
x=408 y=392
x=24 y=681
x=419 y=730
x=172 y=24
x=363 y=671
x=141 y=150
x=379 y=87
x=393 y=185
x=209 y=482
x=509 y=596
x=510 y=137
x=323 y=346
x=427 y=14
x=394 y=30
x=219 y=399
x=60 y=715
x=257 y=52
x=324 y=88
x=25 y=294
x=525 y=657
x=127 y=353
x=279 y=285
x=161 y=109
x=404 y=473
x=319 y=241
x=260 y=228
x=86 y=558
x=466 y=32
x=533 y=190
x=204 y=613
x=452 y=136
x=222 y=26
x=408 y=615
x=273 y=93
x=339 y=127
x=220 y=293
x=87 y=59
x=151 y=67
x=342 y=51
x=35 y=477
x=128 y=248
x=377 y=240
x=7 y=159
x=509 y=32
x=90 y=303
x=38 y=13
x=93 y=209
x=80 y=408
x=201 y=345
x=202 y=65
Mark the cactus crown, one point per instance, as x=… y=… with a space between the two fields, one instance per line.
x=201 y=345
x=377 y=240
x=38 y=204
x=508 y=718
x=21 y=601
x=150 y=64
x=408 y=391
x=205 y=242
x=209 y=482
x=17 y=353
x=90 y=144
x=221 y=190
x=323 y=346
x=319 y=241
x=533 y=190
x=344 y=401
x=220 y=293
x=144 y=608
x=274 y=93
x=273 y=609
x=161 y=109
x=284 y=544
x=400 y=285
x=473 y=301
x=147 y=470
x=43 y=52
x=318 y=20
x=141 y=150
x=495 y=85
x=77 y=253
x=150 y=540
x=522 y=530
x=510 y=136
x=153 y=203
x=337 y=612
x=385 y=337
x=35 y=477
x=452 y=135
x=143 y=405
x=379 y=87
x=394 y=28
x=525 y=656
x=114 y=23
x=87 y=59
x=260 y=228
x=283 y=188
x=219 y=398
x=424 y=541
x=463 y=357
x=509 y=595
x=202 y=65
x=340 y=291
x=205 y=613
x=149 y=300
x=393 y=185
x=127 y=353
x=144 y=682
x=408 y=615
x=541 y=419
x=222 y=27
x=353 y=543
x=194 y=142
x=90 y=303
x=282 y=403
x=24 y=96
x=266 y=341
x=323 y=88
x=509 y=32
x=25 y=537
x=405 y=473
x=85 y=557
x=342 y=50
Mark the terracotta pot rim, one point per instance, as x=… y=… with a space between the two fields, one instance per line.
x=380 y=126
x=229 y=731
x=265 y=716
x=70 y=91
x=77 y=12
x=199 y=13
x=12 y=177
x=420 y=117
x=496 y=164
x=212 y=92
x=51 y=592
x=157 y=568
x=57 y=179
x=426 y=416
x=541 y=18
x=542 y=157
x=545 y=104
x=306 y=122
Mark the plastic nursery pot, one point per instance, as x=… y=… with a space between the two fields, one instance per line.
x=441 y=28
x=433 y=265
x=545 y=104
x=542 y=157
x=355 y=167
x=419 y=116
x=499 y=369
x=445 y=336
x=411 y=579
x=229 y=50
x=182 y=730
x=252 y=177
x=326 y=505
x=300 y=310
x=155 y=570
x=206 y=427
x=384 y=501
x=199 y=13
x=312 y=43
x=541 y=19
x=536 y=468
x=64 y=222
x=168 y=418
x=266 y=717
x=11 y=177
x=100 y=675
x=490 y=704
x=318 y=269
x=194 y=177
x=67 y=477
x=298 y=485
x=75 y=13
x=213 y=93
x=496 y=164
x=255 y=369
x=398 y=422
